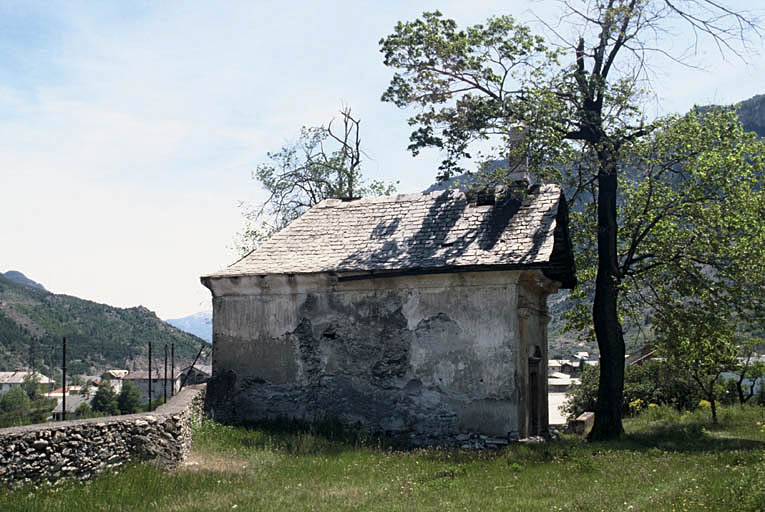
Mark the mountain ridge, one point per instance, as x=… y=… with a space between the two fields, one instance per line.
x=199 y=324
x=18 y=277
x=33 y=322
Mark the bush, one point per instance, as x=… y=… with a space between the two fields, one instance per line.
x=84 y=410
x=653 y=382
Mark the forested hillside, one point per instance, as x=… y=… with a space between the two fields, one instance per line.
x=33 y=322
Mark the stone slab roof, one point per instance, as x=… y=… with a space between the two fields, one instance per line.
x=420 y=232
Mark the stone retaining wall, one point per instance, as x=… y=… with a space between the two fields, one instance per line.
x=82 y=448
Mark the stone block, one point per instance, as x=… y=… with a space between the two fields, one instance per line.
x=582 y=425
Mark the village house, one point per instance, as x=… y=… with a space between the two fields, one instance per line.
x=72 y=403
x=197 y=374
x=420 y=316
x=114 y=378
x=159 y=386
x=17 y=378
x=68 y=390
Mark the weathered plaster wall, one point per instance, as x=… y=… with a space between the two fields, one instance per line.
x=82 y=448
x=424 y=358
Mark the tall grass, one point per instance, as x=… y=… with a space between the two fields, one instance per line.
x=666 y=461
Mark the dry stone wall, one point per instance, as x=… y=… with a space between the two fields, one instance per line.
x=82 y=448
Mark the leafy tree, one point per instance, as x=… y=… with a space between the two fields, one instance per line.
x=698 y=343
x=581 y=120
x=323 y=163
x=84 y=410
x=105 y=400
x=15 y=406
x=31 y=386
x=129 y=401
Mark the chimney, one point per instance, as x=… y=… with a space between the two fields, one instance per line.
x=518 y=155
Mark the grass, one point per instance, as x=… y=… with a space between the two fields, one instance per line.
x=667 y=461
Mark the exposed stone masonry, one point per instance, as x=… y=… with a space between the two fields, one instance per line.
x=82 y=448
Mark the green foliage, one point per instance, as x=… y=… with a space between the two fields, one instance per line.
x=105 y=401
x=697 y=342
x=15 y=405
x=31 y=386
x=17 y=408
x=321 y=164
x=129 y=401
x=471 y=85
x=84 y=411
x=653 y=382
x=689 y=225
x=727 y=392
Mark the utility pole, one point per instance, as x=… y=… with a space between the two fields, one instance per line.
x=150 y=375
x=172 y=368
x=63 y=380
x=164 y=384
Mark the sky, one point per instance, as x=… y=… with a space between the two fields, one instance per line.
x=129 y=130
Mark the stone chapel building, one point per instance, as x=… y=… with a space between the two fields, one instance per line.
x=418 y=316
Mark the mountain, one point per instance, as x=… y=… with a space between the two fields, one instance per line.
x=18 y=277
x=33 y=322
x=751 y=113
x=198 y=324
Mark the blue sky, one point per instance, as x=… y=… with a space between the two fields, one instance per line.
x=128 y=130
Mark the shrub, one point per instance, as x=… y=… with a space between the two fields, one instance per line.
x=84 y=410
x=650 y=383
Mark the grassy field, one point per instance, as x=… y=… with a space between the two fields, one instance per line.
x=666 y=461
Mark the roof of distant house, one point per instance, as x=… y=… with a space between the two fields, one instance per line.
x=72 y=403
x=156 y=375
x=499 y=228
x=17 y=377
x=69 y=389
x=115 y=374
x=202 y=368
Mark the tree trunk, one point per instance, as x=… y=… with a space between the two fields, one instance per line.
x=608 y=331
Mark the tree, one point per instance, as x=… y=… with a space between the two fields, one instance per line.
x=321 y=164
x=581 y=119
x=31 y=385
x=698 y=343
x=14 y=407
x=129 y=401
x=105 y=400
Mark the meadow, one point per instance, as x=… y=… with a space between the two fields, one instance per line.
x=666 y=461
